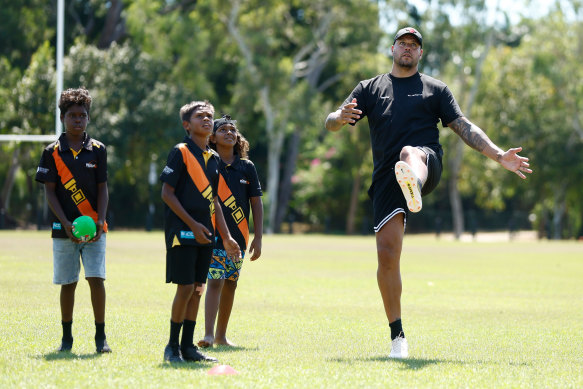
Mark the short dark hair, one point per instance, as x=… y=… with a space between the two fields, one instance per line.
x=187 y=109
x=70 y=97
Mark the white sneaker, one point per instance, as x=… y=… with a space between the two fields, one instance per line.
x=399 y=348
x=410 y=186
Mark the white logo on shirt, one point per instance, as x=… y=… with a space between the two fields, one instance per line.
x=167 y=170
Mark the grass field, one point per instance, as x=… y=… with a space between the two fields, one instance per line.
x=308 y=314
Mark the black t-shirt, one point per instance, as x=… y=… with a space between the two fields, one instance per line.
x=89 y=169
x=241 y=178
x=403 y=112
x=199 y=207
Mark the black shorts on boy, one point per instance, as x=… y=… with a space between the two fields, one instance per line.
x=187 y=261
x=186 y=265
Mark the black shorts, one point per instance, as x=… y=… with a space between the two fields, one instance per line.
x=186 y=265
x=434 y=169
x=387 y=197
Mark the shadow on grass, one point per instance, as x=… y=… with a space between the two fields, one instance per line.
x=414 y=363
x=420 y=363
x=223 y=349
x=409 y=363
x=186 y=365
x=66 y=355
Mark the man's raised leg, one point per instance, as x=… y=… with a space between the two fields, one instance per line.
x=411 y=173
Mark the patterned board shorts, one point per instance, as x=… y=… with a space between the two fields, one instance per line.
x=222 y=268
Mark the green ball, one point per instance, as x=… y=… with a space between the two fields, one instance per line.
x=84 y=228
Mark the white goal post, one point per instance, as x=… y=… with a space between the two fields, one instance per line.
x=28 y=138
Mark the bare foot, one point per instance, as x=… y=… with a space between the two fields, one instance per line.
x=224 y=342
x=207 y=341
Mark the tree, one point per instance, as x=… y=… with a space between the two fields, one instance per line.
x=27 y=112
x=135 y=113
x=24 y=26
x=535 y=103
x=286 y=49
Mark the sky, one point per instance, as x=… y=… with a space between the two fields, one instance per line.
x=514 y=8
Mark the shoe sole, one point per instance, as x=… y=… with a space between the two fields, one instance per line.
x=408 y=183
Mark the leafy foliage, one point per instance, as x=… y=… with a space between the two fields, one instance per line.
x=306 y=56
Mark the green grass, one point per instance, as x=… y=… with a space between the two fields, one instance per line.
x=308 y=314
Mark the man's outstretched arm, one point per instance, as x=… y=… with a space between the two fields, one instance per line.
x=477 y=139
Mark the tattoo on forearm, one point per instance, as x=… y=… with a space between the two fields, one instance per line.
x=472 y=135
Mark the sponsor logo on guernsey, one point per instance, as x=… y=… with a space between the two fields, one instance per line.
x=242 y=181
x=91 y=165
x=42 y=170
x=186 y=235
x=167 y=170
x=57 y=226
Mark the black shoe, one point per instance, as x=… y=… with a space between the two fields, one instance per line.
x=191 y=353
x=66 y=344
x=101 y=346
x=172 y=353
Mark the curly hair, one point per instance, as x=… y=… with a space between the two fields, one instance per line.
x=70 y=97
x=241 y=148
x=187 y=109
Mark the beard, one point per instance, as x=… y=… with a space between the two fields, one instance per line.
x=406 y=62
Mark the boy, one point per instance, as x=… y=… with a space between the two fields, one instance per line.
x=239 y=190
x=74 y=172
x=189 y=190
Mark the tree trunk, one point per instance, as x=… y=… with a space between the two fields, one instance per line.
x=456 y=162
x=353 y=204
x=455 y=199
x=558 y=212
x=318 y=57
x=275 y=138
x=114 y=27
x=9 y=182
x=286 y=183
x=273 y=158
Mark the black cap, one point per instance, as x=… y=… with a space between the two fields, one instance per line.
x=226 y=119
x=411 y=31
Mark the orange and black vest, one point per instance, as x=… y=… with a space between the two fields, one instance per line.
x=236 y=212
x=77 y=177
x=70 y=184
x=238 y=183
x=194 y=178
x=198 y=177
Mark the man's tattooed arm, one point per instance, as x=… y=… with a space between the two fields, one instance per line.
x=478 y=140
x=470 y=133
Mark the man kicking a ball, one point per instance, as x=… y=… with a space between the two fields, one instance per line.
x=403 y=109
